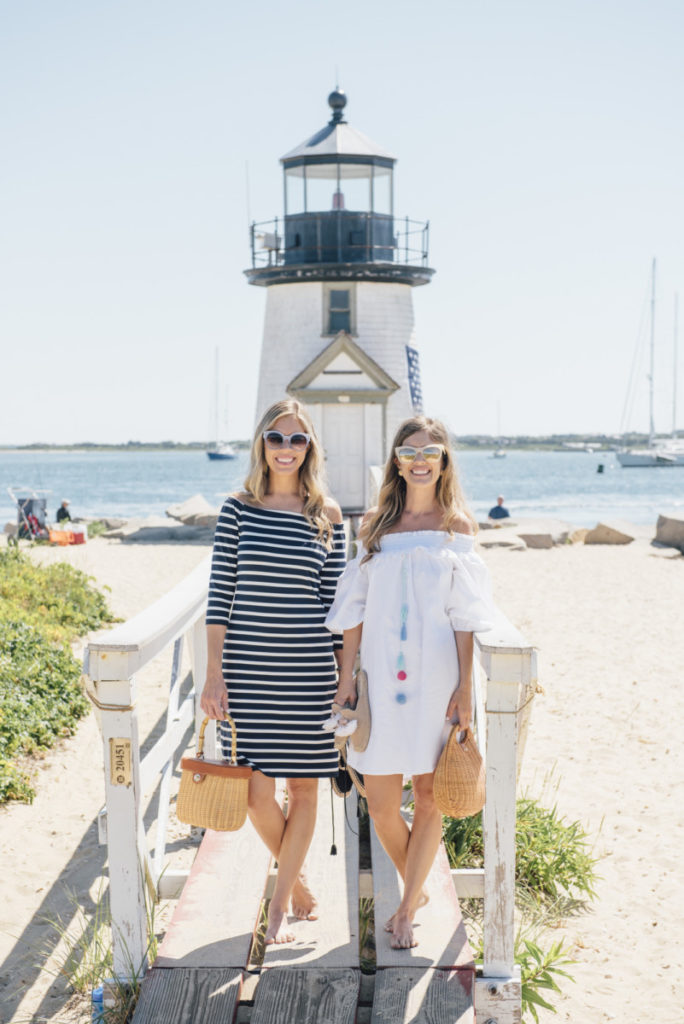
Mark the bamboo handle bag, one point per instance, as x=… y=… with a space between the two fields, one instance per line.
x=459 y=783
x=213 y=794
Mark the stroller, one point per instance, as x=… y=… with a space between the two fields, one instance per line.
x=32 y=521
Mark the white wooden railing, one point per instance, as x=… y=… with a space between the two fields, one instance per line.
x=504 y=681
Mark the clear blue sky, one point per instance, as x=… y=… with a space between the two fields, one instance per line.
x=543 y=140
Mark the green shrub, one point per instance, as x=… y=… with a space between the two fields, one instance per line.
x=42 y=608
x=40 y=700
x=58 y=599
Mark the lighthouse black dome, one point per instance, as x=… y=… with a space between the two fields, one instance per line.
x=339 y=211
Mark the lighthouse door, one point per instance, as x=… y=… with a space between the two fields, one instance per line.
x=344 y=443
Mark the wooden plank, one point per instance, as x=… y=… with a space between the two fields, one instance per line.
x=439 y=928
x=498 y=999
x=310 y=996
x=214 y=922
x=188 y=996
x=415 y=996
x=332 y=940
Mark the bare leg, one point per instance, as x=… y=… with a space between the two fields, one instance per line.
x=269 y=821
x=426 y=835
x=299 y=829
x=384 y=806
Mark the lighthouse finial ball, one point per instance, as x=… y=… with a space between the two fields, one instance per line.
x=337 y=101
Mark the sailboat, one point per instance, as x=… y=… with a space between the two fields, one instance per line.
x=661 y=452
x=498 y=453
x=220 y=449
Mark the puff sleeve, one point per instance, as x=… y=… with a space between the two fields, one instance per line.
x=469 y=603
x=223 y=566
x=348 y=608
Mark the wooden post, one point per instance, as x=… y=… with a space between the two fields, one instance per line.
x=125 y=830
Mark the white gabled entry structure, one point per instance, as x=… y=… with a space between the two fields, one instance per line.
x=347 y=392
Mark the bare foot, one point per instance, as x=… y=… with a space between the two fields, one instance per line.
x=402 y=933
x=422 y=900
x=304 y=903
x=277 y=930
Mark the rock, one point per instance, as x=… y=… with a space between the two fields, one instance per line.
x=543 y=533
x=111 y=522
x=610 y=533
x=501 y=539
x=577 y=536
x=670 y=531
x=196 y=511
x=11 y=529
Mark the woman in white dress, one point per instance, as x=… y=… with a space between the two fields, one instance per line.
x=411 y=601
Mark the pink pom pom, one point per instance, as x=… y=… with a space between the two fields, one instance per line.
x=401 y=675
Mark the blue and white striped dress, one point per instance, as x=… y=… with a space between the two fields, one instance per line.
x=272 y=584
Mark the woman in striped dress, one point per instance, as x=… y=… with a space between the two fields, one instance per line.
x=279 y=550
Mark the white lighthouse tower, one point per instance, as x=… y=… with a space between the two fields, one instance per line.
x=339 y=327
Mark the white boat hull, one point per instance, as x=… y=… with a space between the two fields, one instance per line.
x=653 y=458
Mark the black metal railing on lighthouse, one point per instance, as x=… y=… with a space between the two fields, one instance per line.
x=339 y=236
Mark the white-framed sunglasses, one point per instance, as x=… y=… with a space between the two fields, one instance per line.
x=430 y=452
x=299 y=441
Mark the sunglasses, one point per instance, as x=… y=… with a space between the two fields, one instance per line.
x=430 y=452
x=299 y=442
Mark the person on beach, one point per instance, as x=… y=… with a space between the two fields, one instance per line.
x=410 y=601
x=63 y=513
x=279 y=550
x=499 y=511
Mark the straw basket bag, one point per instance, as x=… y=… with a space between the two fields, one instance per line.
x=459 y=784
x=213 y=794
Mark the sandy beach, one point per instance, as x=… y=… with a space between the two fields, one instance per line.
x=603 y=745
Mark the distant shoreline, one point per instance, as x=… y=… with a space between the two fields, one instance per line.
x=475 y=442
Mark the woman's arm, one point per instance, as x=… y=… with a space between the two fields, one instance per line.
x=214 y=701
x=461 y=702
x=222 y=582
x=346 y=687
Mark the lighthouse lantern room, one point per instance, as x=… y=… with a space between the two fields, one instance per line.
x=339 y=268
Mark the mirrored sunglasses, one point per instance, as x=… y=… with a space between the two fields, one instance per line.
x=299 y=442
x=430 y=452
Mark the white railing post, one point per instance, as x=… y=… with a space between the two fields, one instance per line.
x=125 y=832
x=509 y=665
x=198 y=661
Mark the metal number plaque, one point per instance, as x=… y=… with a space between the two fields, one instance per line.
x=120 y=762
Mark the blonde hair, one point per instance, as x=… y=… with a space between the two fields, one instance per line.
x=392 y=498
x=312 y=483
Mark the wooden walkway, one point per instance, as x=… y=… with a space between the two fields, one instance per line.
x=204 y=971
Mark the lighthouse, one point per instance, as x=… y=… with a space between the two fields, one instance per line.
x=339 y=268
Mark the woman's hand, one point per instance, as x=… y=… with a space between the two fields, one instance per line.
x=461 y=707
x=214 y=700
x=346 y=691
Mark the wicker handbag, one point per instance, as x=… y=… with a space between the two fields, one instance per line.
x=459 y=783
x=213 y=794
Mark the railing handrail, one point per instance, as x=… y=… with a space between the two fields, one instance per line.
x=125 y=649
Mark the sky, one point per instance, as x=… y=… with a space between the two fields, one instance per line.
x=542 y=140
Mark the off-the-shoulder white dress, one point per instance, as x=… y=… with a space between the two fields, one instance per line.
x=411 y=596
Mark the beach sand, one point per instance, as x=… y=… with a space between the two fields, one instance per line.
x=603 y=746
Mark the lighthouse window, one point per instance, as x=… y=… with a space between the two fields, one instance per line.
x=340 y=311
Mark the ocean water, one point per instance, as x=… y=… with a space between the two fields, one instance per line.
x=565 y=485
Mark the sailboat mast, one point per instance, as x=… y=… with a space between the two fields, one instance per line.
x=651 y=423
x=674 y=368
x=216 y=395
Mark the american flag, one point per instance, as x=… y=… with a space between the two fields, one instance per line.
x=415 y=389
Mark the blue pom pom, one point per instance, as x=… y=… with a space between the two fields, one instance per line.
x=401 y=698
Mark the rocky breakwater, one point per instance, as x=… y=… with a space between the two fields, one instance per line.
x=194 y=522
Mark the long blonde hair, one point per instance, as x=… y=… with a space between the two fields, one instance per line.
x=392 y=498
x=312 y=483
